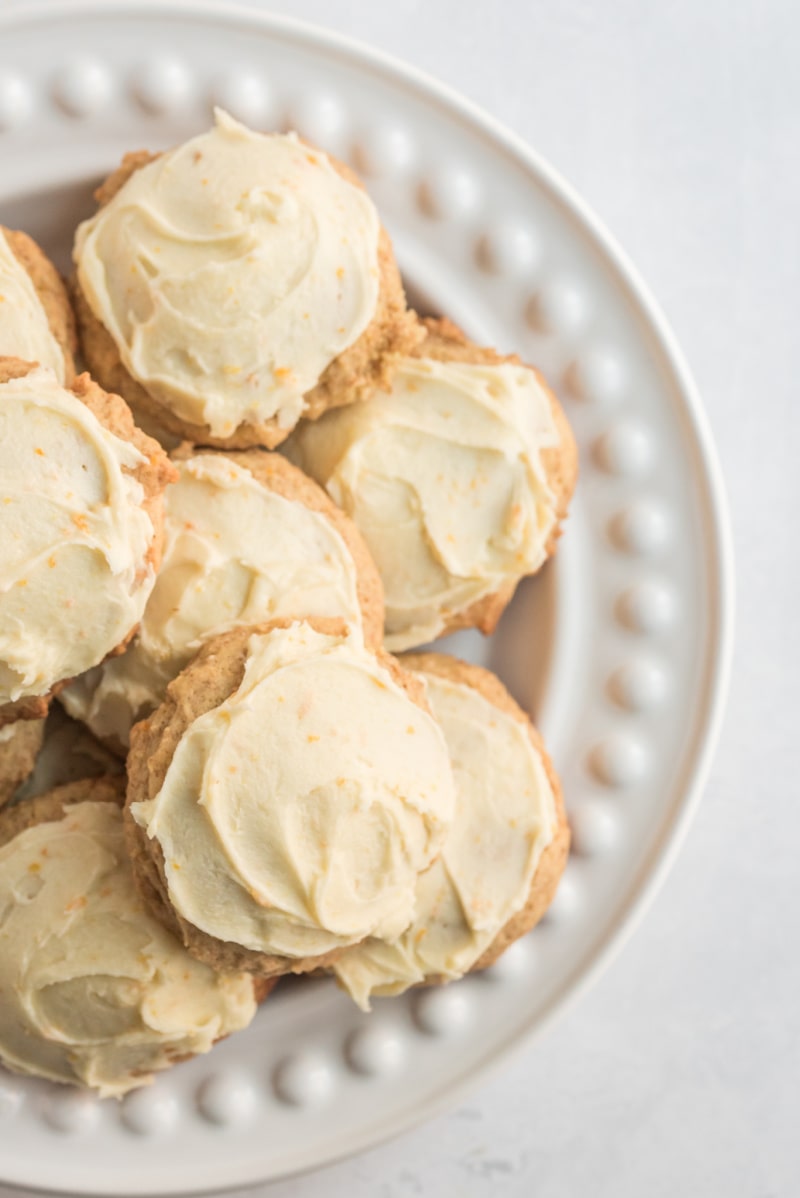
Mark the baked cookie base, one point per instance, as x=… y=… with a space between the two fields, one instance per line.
x=18 y=756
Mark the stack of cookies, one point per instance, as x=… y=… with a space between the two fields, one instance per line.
x=272 y=477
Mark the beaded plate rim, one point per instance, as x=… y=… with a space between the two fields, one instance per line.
x=608 y=766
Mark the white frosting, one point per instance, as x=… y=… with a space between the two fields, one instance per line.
x=73 y=537
x=504 y=819
x=24 y=328
x=444 y=478
x=295 y=817
x=230 y=272
x=235 y=553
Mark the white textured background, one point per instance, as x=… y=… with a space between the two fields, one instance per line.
x=679 y=1074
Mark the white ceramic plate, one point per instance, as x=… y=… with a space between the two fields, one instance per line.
x=620 y=648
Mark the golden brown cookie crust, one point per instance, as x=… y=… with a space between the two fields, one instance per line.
x=446 y=342
x=368 y=363
x=278 y=474
x=18 y=755
x=153 y=476
x=554 y=858
x=49 y=807
x=214 y=674
x=52 y=293
x=69 y=753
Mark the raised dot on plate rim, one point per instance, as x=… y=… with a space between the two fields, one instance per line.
x=82 y=87
x=595 y=827
x=11 y=1098
x=638 y=685
x=245 y=96
x=560 y=306
x=383 y=151
x=162 y=84
x=375 y=1050
x=625 y=450
x=16 y=100
x=448 y=193
x=509 y=249
x=567 y=898
x=443 y=1010
x=513 y=963
x=71 y=1111
x=642 y=528
x=319 y=118
x=647 y=607
x=302 y=1079
x=149 y=1111
x=618 y=760
x=598 y=375
x=227 y=1099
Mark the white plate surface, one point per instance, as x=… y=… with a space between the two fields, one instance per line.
x=620 y=648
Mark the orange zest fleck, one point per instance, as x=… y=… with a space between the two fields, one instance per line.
x=79 y=521
x=40 y=452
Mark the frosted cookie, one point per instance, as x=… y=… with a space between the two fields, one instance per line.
x=80 y=530
x=505 y=851
x=96 y=992
x=36 y=321
x=20 y=743
x=284 y=798
x=458 y=478
x=238 y=282
x=248 y=538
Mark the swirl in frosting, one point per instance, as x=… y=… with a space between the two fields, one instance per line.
x=230 y=272
x=505 y=817
x=235 y=553
x=295 y=817
x=444 y=478
x=73 y=536
x=95 y=990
